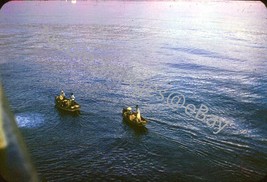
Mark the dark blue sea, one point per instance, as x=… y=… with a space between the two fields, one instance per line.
x=196 y=69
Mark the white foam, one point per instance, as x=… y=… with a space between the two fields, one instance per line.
x=29 y=120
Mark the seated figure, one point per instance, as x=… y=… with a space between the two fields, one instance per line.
x=62 y=95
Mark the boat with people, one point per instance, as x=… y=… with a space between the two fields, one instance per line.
x=67 y=104
x=133 y=118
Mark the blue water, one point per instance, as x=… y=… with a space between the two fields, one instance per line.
x=122 y=53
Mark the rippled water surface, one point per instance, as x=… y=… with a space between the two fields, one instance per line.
x=116 y=54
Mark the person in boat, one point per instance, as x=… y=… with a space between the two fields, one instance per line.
x=62 y=95
x=129 y=110
x=72 y=98
x=138 y=113
x=129 y=114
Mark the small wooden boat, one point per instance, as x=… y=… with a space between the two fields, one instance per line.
x=68 y=105
x=131 y=118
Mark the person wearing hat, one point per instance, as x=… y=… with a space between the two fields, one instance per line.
x=62 y=95
x=129 y=110
x=130 y=115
